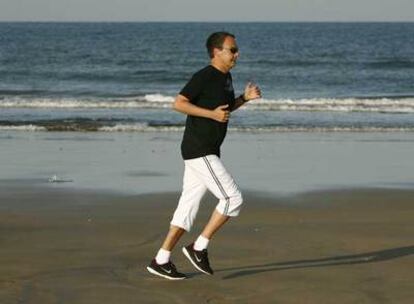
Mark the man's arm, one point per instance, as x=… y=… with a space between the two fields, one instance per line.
x=251 y=91
x=182 y=104
x=239 y=102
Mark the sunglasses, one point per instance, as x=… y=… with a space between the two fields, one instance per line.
x=233 y=50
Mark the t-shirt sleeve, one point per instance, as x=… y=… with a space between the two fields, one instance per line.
x=193 y=88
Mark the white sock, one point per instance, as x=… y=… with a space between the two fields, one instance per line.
x=163 y=256
x=201 y=243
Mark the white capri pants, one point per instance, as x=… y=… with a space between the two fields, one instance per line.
x=201 y=174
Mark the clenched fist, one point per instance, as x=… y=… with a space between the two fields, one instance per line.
x=221 y=114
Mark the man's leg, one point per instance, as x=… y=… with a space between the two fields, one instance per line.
x=214 y=224
x=164 y=253
x=183 y=218
x=187 y=208
x=214 y=175
x=174 y=234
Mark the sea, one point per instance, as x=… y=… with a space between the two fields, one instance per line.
x=123 y=77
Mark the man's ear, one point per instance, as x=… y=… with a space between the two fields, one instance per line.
x=215 y=51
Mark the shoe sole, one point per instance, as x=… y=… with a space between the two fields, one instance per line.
x=187 y=254
x=163 y=275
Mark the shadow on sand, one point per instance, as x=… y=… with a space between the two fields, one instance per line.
x=369 y=257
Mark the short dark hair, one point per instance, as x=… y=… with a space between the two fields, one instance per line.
x=216 y=40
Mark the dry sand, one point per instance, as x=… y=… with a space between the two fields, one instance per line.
x=73 y=246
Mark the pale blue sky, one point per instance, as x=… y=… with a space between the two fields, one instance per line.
x=206 y=10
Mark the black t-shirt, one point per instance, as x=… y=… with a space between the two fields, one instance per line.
x=208 y=88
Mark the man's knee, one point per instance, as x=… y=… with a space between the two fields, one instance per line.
x=238 y=199
x=231 y=206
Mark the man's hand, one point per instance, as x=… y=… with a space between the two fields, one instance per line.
x=251 y=91
x=220 y=113
x=182 y=104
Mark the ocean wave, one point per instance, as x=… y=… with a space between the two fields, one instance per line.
x=147 y=101
x=382 y=105
x=144 y=127
x=22 y=128
x=369 y=104
x=139 y=127
x=87 y=125
x=158 y=98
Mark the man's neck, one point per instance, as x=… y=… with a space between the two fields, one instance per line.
x=219 y=67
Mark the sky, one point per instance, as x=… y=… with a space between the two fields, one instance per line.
x=207 y=10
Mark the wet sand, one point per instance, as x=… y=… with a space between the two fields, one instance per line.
x=148 y=162
x=76 y=246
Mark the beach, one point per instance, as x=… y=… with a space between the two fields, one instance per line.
x=91 y=171
x=328 y=217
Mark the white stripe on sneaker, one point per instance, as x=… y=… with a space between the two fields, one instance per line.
x=162 y=275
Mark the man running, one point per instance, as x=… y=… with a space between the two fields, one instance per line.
x=207 y=99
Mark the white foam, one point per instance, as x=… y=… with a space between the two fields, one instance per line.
x=143 y=127
x=22 y=128
x=138 y=127
x=158 y=98
x=149 y=101
x=320 y=129
x=379 y=105
x=384 y=105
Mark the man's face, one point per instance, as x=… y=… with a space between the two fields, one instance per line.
x=229 y=53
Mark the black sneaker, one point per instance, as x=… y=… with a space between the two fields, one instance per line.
x=199 y=259
x=166 y=270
